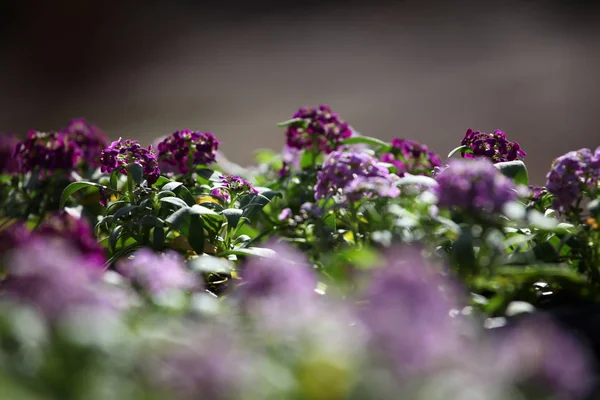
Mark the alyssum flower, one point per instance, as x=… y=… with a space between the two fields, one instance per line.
x=322 y=129
x=409 y=156
x=121 y=153
x=184 y=148
x=47 y=151
x=493 y=146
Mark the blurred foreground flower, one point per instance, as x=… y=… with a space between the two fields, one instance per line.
x=474 y=185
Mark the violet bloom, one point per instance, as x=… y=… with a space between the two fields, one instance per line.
x=232 y=185
x=48 y=152
x=493 y=146
x=572 y=174
x=407 y=313
x=54 y=277
x=121 y=153
x=536 y=353
x=8 y=164
x=474 y=185
x=89 y=138
x=185 y=148
x=322 y=129
x=287 y=276
x=354 y=176
x=76 y=230
x=409 y=156
x=158 y=273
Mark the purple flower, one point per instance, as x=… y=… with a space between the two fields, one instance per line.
x=158 y=273
x=570 y=175
x=75 y=230
x=47 y=151
x=121 y=153
x=185 y=148
x=8 y=164
x=409 y=156
x=232 y=185
x=286 y=213
x=407 y=313
x=493 y=146
x=54 y=277
x=354 y=175
x=89 y=138
x=322 y=129
x=474 y=185
x=286 y=276
x=535 y=352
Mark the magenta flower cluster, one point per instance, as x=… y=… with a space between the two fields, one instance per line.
x=121 y=153
x=572 y=174
x=474 y=185
x=90 y=139
x=493 y=146
x=321 y=129
x=47 y=151
x=232 y=184
x=185 y=148
x=354 y=176
x=410 y=156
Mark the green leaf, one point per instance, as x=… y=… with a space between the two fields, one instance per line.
x=74 y=187
x=516 y=170
x=307 y=160
x=158 y=237
x=113 y=238
x=417 y=180
x=175 y=201
x=136 y=171
x=458 y=149
x=209 y=264
x=197 y=209
x=125 y=251
x=114 y=180
x=161 y=181
x=371 y=141
x=171 y=186
x=266 y=156
x=209 y=174
x=196 y=234
x=233 y=216
x=123 y=211
x=253 y=251
x=293 y=121
x=183 y=193
x=180 y=220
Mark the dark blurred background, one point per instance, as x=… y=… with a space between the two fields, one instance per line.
x=425 y=70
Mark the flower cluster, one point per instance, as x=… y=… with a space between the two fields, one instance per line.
x=185 y=148
x=321 y=128
x=474 y=185
x=572 y=174
x=49 y=151
x=410 y=156
x=8 y=164
x=493 y=146
x=354 y=175
x=232 y=184
x=158 y=273
x=89 y=138
x=121 y=153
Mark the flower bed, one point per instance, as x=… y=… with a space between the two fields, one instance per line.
x=344 y=267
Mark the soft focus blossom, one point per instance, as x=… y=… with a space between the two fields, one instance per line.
x=537 y=353
x=323 y=129
x=54 y=277
x=340 y=169
x=184 y=148
x=570 y=175
x=158 y=273
x=121 y=153
x=77 y=231
x=493 y=146
x=89 y=138
x=409 y=156
x=474 y=185
x=47 y=151
x=407 y=313
x=8 y=164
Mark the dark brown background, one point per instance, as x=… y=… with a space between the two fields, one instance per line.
x=417 y=69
